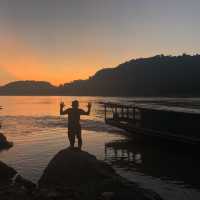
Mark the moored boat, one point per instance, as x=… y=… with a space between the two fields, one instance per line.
x=182 y=125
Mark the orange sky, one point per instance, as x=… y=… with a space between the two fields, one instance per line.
x=60 y=41
x=23 y=62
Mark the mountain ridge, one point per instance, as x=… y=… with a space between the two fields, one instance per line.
x=154 y=76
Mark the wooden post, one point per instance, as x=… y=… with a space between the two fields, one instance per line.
x=127 y=113
x=116 y=110
x=122 y=112
x=115 y=113
x=134 y=113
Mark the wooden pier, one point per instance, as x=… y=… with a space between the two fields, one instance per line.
x=154 y=122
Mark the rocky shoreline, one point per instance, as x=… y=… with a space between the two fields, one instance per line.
x=4 y=143
x=75 y=175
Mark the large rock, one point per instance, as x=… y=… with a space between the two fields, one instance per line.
x=72 y=175
x=92 y=179
x=4 y=143
x=72 y=167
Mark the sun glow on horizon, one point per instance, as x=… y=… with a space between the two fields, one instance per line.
x=62 y=41
x=21 y=62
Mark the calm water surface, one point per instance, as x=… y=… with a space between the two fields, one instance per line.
x=38 y=133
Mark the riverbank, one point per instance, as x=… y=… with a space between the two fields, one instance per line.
x=72 y=174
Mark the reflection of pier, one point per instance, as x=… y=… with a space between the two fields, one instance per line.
x=155 y=122
x=155 y=160
x=118 y=153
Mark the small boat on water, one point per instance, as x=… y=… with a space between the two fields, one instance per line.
x=180 y=124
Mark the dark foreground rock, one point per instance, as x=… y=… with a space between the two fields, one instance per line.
x=72 y=175
x=6 y=173
x=13 y=186
x=4 y=143
x=91 y=178
x=72 y=167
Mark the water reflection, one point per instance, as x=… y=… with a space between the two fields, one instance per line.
x=165 y=161
x=34 y=125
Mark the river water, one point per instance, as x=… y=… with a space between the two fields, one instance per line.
x=38 y=133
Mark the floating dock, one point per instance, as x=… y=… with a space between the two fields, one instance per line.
x=155 y=121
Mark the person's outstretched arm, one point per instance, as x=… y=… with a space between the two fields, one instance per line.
x=89 y=109
x=62 y=111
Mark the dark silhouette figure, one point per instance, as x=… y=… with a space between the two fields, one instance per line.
x=74 y=126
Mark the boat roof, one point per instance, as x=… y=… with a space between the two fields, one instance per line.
x=156 y=107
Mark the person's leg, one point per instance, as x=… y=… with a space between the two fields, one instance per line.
x=79 y=140
x=71 y=137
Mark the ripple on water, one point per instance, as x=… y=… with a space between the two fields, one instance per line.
x=39 y=136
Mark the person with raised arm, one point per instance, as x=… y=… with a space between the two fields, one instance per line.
x=74 y=126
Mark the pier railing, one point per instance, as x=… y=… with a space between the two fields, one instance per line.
x=120 y=112
x=154 y=122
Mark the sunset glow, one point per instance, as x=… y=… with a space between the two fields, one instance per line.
x=60 y=41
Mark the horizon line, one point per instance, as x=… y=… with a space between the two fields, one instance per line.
x=133 y=59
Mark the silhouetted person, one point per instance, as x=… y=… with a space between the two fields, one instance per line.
x=74 y=126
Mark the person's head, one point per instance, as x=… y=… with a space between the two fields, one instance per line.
x=75 y=104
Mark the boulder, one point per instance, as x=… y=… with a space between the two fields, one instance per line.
x=91 y=178
x=72 y=167
x=72 y=175
x=4 y=143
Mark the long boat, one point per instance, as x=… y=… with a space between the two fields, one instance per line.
x=182 y=125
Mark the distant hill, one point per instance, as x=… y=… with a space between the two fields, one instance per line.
x=155 y=76
x=28 y=88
